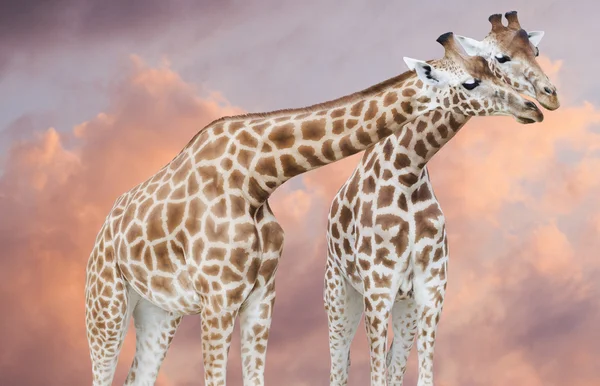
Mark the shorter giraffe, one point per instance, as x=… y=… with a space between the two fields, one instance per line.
x=386 y=233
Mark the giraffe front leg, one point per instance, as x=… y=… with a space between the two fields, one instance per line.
x=255 y=322
x=429 y=292
x=154 y=331
x=344 y=308
x=404 y=319
x=377 y=314
x=216 y=340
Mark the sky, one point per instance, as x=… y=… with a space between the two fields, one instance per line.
x=97 y=95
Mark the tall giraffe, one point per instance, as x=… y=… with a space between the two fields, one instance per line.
x=387 y=248
x=199 y=238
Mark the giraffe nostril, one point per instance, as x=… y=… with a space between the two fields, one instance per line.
x=531 y=105
x=548 y=90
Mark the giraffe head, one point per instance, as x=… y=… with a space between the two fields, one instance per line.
x=466 y=85
x=511 y=52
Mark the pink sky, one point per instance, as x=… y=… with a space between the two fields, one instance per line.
x=98 y=97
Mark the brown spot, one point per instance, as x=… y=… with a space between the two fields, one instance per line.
x=382 y=281
x=407 y=107
x=327 y=150
x=387 y=221
x=313 y=130
x=365 y=247
x=244 y=158
x=236 y=179
x=350 y=123
x=406 y=138
x=422 y=258
x=308 y=152
x=235 y=296
x=266 y=166
x=425 y=228
x=371 y=111
x=366 y=217
x=175 y=213
x=162 y=285
x=432 y=141
x=192 y=183
x=439 y=253
x=216 y=254
x=400 y=240
x=381 y=258
x=357 y=108
x=283 y=136
x=213 y=180
x=345 y=218
x=256 y=190
x=216 y=232
x=268 y=268
x=338 y=113
x=421 y=149
x=402 y=161
x=244 y=232
x=408 y=92
x=154 y=228
x=385 y=196
x=182 y=172
x=212 y=149
x=398 y=118
x=369 y=185
x=229 y=275
x=408 y=179
x=239 y=257
x=363 y=136
x=390 y=98
x=260 y=128
x=235 y=126
x=382 y=127
x=421 y=194
x=134 y=232
x=338 y=126
x=347 y=147
x=290 y=167
x=436 y=116
x=421 y=126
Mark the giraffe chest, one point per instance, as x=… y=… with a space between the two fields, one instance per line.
x=383 y=244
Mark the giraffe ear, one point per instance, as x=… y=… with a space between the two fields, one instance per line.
x=471 y=46
x=426 y=72
x=535 y=37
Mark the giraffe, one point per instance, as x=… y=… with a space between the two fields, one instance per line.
x=387 y=246
x=198 y=237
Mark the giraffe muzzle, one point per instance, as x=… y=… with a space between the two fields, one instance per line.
x=530 y=114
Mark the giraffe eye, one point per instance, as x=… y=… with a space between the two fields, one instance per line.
x=502 y=58
x=537 y=52
x=471 y=84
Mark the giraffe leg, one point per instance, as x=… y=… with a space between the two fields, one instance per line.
x=429 y=298
x=154 y=331
x=216 y=339
x=108 y=310
x=255 y=322
x=376 y=323
x=404 y=318
x=344 y=309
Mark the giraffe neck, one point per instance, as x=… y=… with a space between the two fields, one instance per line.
x=408 y=151
x=293 y=142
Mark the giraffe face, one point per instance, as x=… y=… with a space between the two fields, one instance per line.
x=467 y=86
x=511 y=54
